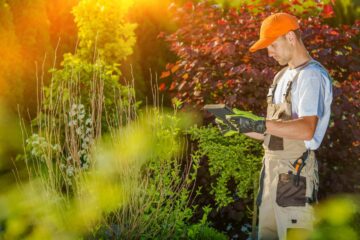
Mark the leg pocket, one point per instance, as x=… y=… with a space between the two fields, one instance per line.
x=288 y=194
x=294 y=221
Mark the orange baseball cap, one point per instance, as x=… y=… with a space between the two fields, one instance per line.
x=273 y=27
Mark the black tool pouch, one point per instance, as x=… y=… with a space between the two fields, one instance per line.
x=273 y=143
x=287 y=193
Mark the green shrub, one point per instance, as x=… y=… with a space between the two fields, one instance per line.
x=235 y=158
x=202 y=230
x=205 y=233
x=159 y=206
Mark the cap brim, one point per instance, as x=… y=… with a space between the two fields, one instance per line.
x=261 y=43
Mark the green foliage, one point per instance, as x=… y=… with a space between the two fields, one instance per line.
x=168 y=212
x=236 y=157
x=83 y=101
x=96 y=80
x=103 y=30
x=137 y=184
x=91 y=76
x=199 y=232
x=85 y=98
x=202 y=230
x=160 y=188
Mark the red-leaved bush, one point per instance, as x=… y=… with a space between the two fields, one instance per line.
x=215 y=66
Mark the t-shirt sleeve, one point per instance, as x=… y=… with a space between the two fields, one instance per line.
x=311 y=93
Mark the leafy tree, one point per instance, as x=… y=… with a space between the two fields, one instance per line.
x=103 y=30
x=105 y=39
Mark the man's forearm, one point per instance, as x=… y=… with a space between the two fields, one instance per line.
x=300 y=129
x=255 y=135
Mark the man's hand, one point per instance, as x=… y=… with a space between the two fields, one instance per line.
x=246 y=122
x=224 y=128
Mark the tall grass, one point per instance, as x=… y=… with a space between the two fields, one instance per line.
x=96 y=171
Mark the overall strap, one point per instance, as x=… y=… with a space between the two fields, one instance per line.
x=287 y=93
x=271 y=93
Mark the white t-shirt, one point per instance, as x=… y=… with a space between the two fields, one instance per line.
x=311 y=95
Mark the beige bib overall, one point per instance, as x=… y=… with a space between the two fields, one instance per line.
x=285 y=192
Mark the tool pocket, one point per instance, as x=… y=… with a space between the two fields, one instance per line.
x=273 y=143
x=298 y=219
x=288 y=193
x=276 y=143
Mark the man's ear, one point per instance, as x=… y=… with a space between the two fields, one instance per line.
x=291 y=37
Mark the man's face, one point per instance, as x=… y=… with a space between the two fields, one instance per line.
x=281 y=50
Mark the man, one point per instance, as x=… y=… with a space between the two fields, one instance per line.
x=298 y=114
